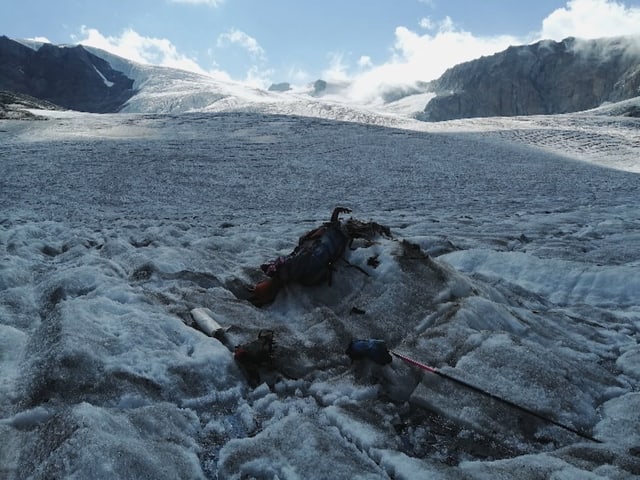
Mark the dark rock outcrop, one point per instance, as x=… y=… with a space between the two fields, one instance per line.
x=280 y=87
x=319 y=87
x=70 y=77
x=16 y=106
x=543 y=78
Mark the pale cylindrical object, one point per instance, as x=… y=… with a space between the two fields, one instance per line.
x=205 y=322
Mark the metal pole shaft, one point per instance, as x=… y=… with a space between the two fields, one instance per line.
x=495 y=397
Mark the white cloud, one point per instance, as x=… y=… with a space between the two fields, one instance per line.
x=365 y=61
x=257 y=77
x=132 y=45
x=419 y=54
x=298 y=76
x=40 y=39
x=591 y=19
x=426 y=23
x=337 y=72
x=425 y=56
x=160 y=51
x=237 y=37
x=211 y=3
x=146 y=50
x=417 y=57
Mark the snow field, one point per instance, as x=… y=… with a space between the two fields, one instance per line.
x=108 y=241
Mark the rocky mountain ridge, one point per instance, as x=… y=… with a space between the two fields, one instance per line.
x=16 y=106
x=70 y=77
x=543 y=78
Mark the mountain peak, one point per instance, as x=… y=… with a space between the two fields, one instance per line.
x=546 y=77
x=68 y=76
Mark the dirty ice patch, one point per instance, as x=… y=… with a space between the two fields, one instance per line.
x=377 y=259
x=526 y=467
x=343 y=392
x=12 y=344
x=560 y=383
x=480 y=314
x=14 y=272
x=100 y=339
x=562 y=282
x=364 y=436
x=629 y=362
x=149 y=442
x=402 y=467
x=128 y=342
x=293 y=446
x=620 y=421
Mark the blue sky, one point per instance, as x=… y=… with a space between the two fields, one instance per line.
x=260 y=42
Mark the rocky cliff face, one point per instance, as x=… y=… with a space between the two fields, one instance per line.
x=17 y=106
x=70 y=77
x=544 y=78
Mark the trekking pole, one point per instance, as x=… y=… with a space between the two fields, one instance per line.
x=493 y=396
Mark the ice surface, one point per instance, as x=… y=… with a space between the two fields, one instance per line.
x=113 y=228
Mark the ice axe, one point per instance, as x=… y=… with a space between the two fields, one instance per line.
x=377 y=351
x=533 y=413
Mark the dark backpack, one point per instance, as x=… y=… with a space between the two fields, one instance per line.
x=311 y=263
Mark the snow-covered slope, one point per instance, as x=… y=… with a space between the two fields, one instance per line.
x=167 y=90
x=605 y=136
x=113 y=227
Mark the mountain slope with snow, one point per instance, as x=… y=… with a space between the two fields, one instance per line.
x=70 y=77
x=543 y=78
x=547 y=77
